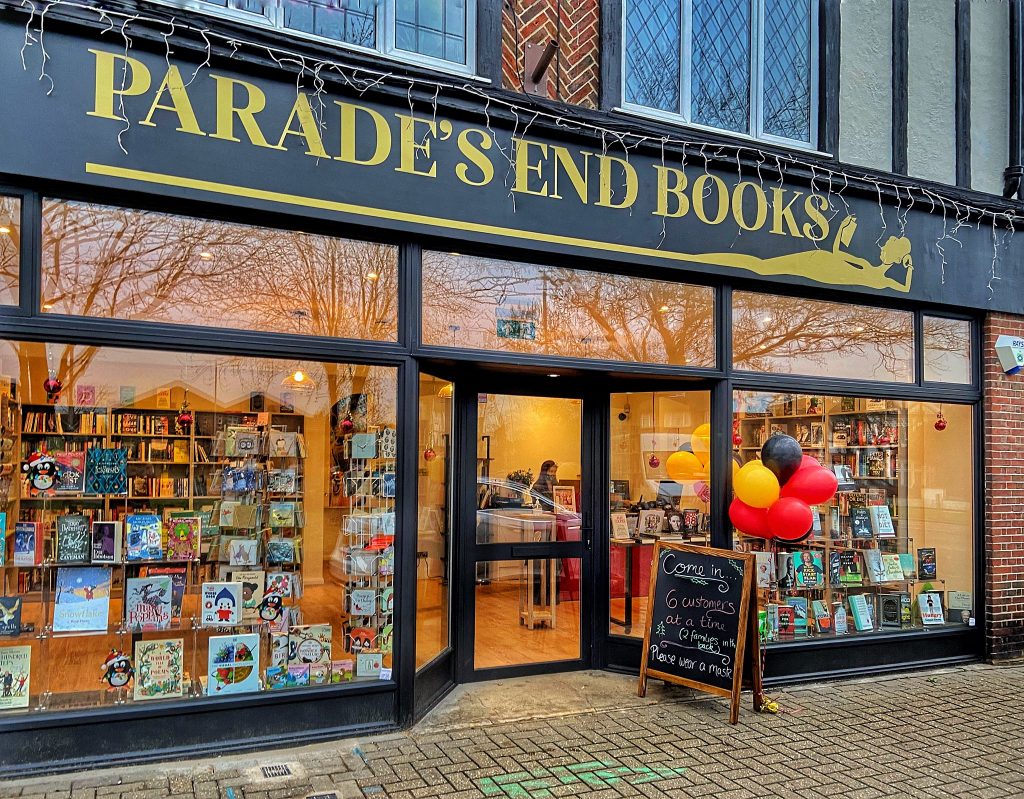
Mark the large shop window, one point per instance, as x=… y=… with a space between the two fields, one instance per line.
x=894 y=550
x=660 y=489
x=507 y=306
x=191 y=526
x=793 y=335
x=10 y=249
x=439 y=31
x=747 y=66
x=120 y=263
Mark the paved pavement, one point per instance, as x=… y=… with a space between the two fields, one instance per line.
x=949 y=733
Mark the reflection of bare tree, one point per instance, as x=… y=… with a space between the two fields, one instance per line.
x=773 y=333
x=10 y=245
x=576 y=313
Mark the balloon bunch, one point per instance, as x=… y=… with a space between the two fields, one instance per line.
x=774 y=495
x=691 y=464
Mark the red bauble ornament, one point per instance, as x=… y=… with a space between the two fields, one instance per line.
x=940 y=422
x=429 y=454
x=654 y=461
x=184 y=420
x=737 y=439
x=347 y=425
x=52 y=386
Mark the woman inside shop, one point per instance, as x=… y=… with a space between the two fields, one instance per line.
x=545 y=484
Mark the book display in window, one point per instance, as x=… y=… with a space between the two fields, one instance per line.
x=858 y=571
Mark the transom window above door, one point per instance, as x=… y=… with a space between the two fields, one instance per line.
x=746 y=66
x=433 y=32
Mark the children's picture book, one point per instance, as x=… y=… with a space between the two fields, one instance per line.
x=183 y=538
x=319 y=673
x=106 y=542
x=297 y=675
x=234 y=664
x=74 y=541
x=70 y=472
x=15 y=671
x=178 y=576
x=892 y=569
x=822 y=616
x=807 y=568
x=279 y=583
x=765 y=567
x=860 y=610
x=145 y=533
x=851 y=570
x=106 y=471
x=907 y=565
x=28 y=544
x=342 y=670
x=787 y=620
x=309 y=643
x=220 y=604
x=860 y=521
x=881 y=521
x=926 y=565
x=243 y=552
x=81 y=599
x=369 y=664
x=159 y=669
x=252 y=592
x=279 y=649
x=277 y=677
x=10 y=615
x=873 y=565
x=147 y=603
x=799 y=605
x=930 y=605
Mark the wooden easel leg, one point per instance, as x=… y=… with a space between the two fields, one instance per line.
x=734 y=708
x=641 y=689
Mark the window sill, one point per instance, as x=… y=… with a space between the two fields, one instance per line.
x=675 y=121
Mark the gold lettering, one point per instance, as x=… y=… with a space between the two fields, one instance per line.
x=180 y=104
x=474 y=153
x=382 y=148
x=524 y=167
x=698 y=198
x=138 y=82
x=760 y=205
x=606 y=192
x=784 y=213
x=677 y=190
x=577 y=177
x=814 y=205
x=255 y=101
x=411 y=148
x=307 y=128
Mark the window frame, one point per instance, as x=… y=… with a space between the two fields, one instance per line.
x=384 y=32
x=755 y=116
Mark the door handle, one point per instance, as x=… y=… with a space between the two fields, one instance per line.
x=587 y=530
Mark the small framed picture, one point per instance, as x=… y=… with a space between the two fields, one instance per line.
x=287 y=402
x=620 y=526
x=256 y=402
x=565 y=498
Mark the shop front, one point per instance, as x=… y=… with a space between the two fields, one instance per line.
x=320 y=398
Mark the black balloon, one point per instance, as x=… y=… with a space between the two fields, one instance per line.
x=782 y=454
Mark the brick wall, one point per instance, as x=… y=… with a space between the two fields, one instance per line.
x=575 y=25
x=1004 y=495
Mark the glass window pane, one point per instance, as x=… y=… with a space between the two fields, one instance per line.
x=433 y=28
x=266 y=490
x=125 y=264
x=433 y=530
x=947 y=350
x=893 y=550
x=351 y=21
x=646 y=430
x=10 y=249
x=720 y=76
x=651 y=48
x=787 y=69
x=483 y=303
x=793 y=335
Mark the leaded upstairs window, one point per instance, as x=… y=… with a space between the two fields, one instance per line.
x=433 y=32
x=747 y=66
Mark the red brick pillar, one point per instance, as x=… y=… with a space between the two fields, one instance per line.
x=575 y=70
x=1004 y=495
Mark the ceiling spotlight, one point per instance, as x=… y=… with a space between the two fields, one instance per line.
x=206 y=256
x=47 y=306
x=663 y=309
x=299 y=376
x=4 y=230
x=554 y=375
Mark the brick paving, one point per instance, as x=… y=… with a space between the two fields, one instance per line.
x=949 y=733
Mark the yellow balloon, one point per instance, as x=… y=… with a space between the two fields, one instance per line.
x=756 y=485
x=683 y=466
x=735 y=469
x=700 y=441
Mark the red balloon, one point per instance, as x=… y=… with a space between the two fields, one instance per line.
x=789 y=519
x=809 y=462
x=752 y=521
x=813 y=486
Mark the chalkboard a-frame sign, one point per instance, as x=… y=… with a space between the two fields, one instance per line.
x=703 y=622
